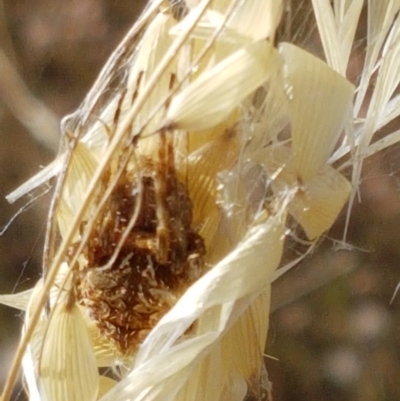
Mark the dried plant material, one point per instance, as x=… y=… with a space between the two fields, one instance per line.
x=390 y=112
x=67 y=371
x=127 y=295
x=316 y=120
x=385 y=86
x=105 y=385
x=104 y=352
x=233 y=359
x=380 y=18
x=381 y=58
x=319 y=104
x=19 y=300
x=337 y=26
x=212 y=301
x=214 y=95
x=154 y=43
x=81 y=169
x=174 y=185
x=258 y=19
x=250 y=330
x=204 y=164
x=382 y=144
x=32 y=354
x=37 y=180
x=64 y=216
x=252 y=21
x=319 y=202
x=207 y=26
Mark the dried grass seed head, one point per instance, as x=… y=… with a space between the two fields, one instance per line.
x=149 y=150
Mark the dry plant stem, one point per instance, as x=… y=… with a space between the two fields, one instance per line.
x=102 y=81
x=48 y=253
x=207 y=47
x=115 y=142
x=98 y=88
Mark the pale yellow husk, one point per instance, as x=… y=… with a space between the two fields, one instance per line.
x=66 y=370
x=212 y=97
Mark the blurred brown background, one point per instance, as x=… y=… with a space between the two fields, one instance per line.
x=334 y=331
